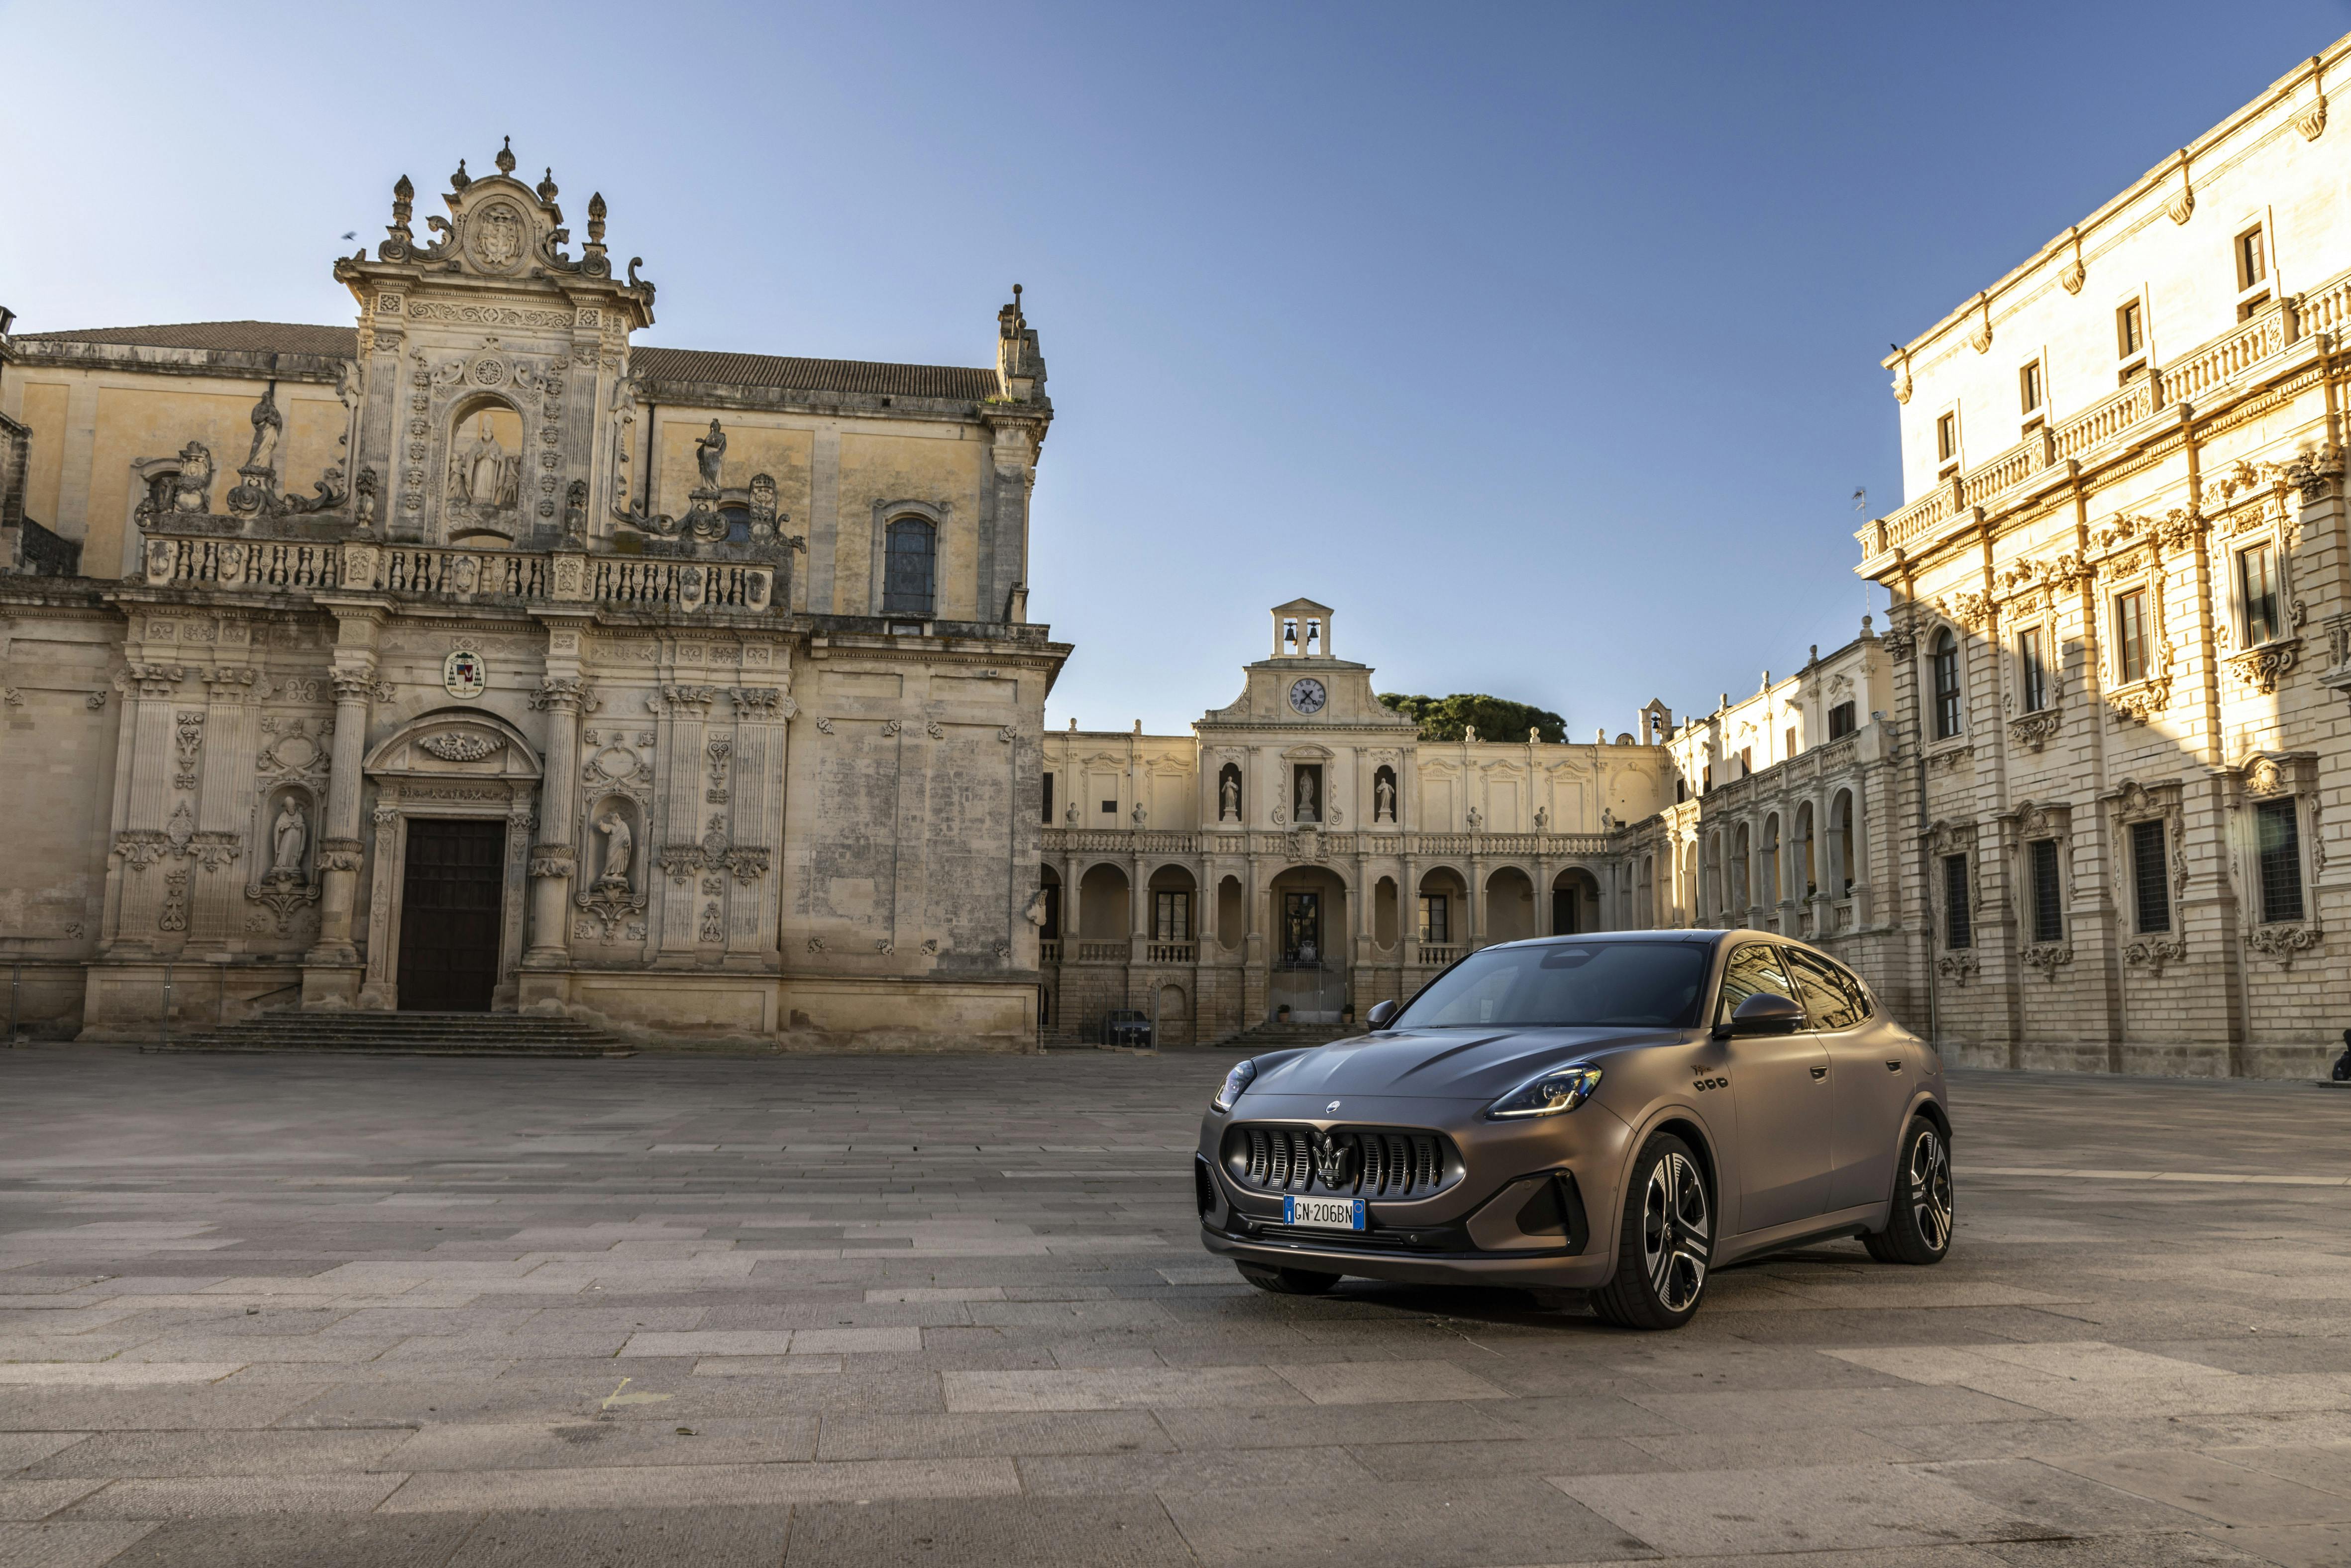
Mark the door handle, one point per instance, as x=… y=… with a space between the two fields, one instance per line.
x=1819 y=1073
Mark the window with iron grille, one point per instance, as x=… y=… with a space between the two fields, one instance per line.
x=2048 y=894
x=2130 y=636
x=2257 y=590
x=906 y=571
x=1958 y=930
x=1947 y=686
x=2278 y=847
x=2150 y=883
x=2034 y=672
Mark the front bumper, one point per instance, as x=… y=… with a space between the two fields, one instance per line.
x=1534 y=1203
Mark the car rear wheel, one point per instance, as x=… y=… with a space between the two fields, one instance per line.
x=1918 y=1230
x=1665 y=1242
x=1287 y=1282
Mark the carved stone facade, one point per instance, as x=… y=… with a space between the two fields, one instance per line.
x=485 y=567
x=2120 y=588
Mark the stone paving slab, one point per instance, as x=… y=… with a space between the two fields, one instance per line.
x=430 y=1313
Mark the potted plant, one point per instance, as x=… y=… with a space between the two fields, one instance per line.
x=1347 y=1013
x=1282 y=1013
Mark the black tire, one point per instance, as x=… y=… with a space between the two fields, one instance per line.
x=1665 y=1242
x=1918 y=1228
x=1287 y=1282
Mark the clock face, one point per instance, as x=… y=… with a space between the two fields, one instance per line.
x=1307 y=696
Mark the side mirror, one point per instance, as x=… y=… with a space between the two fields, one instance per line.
x=1380 y=1014
x=1763 y=1013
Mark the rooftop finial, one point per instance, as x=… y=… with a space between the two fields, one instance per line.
x=460 y=180
x=547 y=186
x=596 y=218
x=505 y=158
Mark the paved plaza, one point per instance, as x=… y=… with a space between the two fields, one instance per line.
x=952 y=1310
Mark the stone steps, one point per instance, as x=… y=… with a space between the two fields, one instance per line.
x=403 y=1034
x=1283 y=1036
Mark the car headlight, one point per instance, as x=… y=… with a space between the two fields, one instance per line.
x=1243 y=1074
x=1561 y=1089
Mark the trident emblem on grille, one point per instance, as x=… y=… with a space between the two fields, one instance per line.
x=1330 y=1160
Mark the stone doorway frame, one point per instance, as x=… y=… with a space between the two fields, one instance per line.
x=460 y=763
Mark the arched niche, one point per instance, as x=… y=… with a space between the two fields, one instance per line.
x=485 y=489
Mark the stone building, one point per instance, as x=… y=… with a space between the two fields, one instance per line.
x=473 y=656
x=2121 y=625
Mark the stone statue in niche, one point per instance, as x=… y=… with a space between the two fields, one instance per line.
x=710 y=455
x=288 y=835
x=1232 y=798
x=1383 y=799
x=620 y=849
x=1306 y=812
x=484 y=474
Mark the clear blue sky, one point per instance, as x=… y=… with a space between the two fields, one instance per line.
x=1541 y=341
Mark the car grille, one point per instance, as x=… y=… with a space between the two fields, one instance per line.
x=1369 y=1161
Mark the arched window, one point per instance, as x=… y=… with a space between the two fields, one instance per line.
x=906 y=575
x=1841 y=843
x=1947 y=684
x=1768 y=867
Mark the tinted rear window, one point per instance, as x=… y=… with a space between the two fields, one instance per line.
x=1626 y=984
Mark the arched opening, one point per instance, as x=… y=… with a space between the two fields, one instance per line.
x=1843 y=838
x=1574 y=903
x=1232 y=917
x=1385 y=914
x=1442 y=916
x=911 y=551
x=1645 y=894
x=1509 y=906
x=1807 y=864
x=1742 y=857
x=1768 y=867
x=1709 y=893
x=1174 y=1017
x=1171 y=915
x=1312 y=938
x=483 y=499
x=1104 y=917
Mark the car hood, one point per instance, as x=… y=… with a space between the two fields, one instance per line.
x=1447 y=1063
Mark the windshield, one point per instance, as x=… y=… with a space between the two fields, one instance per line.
x=1627 y=984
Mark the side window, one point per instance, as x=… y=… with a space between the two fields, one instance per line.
x=1823 y=994
x=1752 y=969
x=1863 y=1006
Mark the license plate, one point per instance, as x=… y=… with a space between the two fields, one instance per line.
x=1323 y=1213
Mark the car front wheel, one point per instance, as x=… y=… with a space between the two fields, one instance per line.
x=1664 y=1243
x=1919 y=1229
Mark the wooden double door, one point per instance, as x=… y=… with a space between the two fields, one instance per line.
x=451 y=890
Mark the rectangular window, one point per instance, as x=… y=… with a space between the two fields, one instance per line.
x=2257 y=590
x=2130 y=636
x=2278 y=845
x=1434 y=928
x=1110 y=808
x=1791 y=742
x=1946 y=438
x=1171 y=916
x=2032 y=671
x=2150 y=888
x=1048 y=799
x=1841 y=721
x=1957 y=931
x=2253 y=262
x=2028 y=387
x=1745 y=760
x=2048 y=894
x=2130 y=330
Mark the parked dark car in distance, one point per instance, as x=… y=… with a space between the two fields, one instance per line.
x=1124 y=1026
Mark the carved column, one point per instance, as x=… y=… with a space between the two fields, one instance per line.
x=143 y=852
x=751 y=773
x=560 y=697
x=226 y=808
x=339 y=846
x=685 y=858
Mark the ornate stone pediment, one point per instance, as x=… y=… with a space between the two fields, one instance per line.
x=473 y=744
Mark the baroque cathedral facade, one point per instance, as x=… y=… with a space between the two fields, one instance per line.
x=518 y=666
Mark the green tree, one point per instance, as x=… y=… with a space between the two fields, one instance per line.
x=1494 y=718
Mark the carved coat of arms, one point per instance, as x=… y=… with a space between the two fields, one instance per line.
x=463 y=674
x=498 y=237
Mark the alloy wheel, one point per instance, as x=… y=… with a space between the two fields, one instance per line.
x=1930 y=1188
x=1677 y=1235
